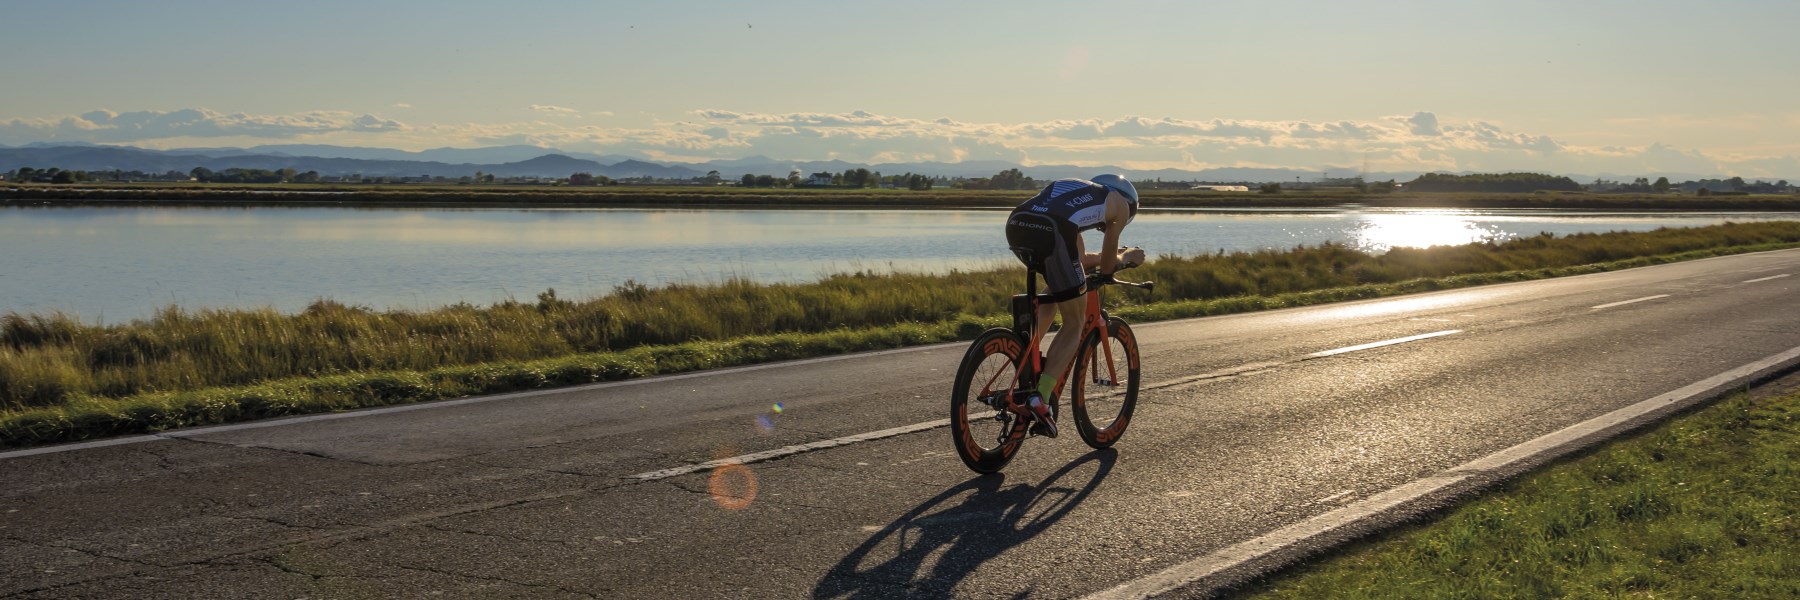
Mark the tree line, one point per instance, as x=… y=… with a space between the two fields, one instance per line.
x=1532 y=182
x=1737 y=185
x=1010 y=179
x=56 y=175
x=853 y=178
x=1492 y=182
x=235 y=175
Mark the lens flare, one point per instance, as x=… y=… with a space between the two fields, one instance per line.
x=777 y=408
x=733 y=486
x=764 y=425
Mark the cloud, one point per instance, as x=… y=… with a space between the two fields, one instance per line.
x=402 y=105
x=1341 y=130
x=1141 y=127
x=1417 y=142
x=136 y=126
x=807 y=119
x=1424 y=123
x=1772 y=168
x=1660 y=157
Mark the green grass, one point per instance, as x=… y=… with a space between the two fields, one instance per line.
x=62 y=379
x=1704 y=506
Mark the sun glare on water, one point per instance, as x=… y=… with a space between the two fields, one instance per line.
x=1384 y=232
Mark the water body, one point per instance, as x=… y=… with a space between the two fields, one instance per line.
x=122 y=263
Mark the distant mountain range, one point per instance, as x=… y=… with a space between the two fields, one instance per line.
x=533 y=161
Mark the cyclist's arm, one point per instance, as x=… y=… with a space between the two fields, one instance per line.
x=1091 y=260
x=1117 y=213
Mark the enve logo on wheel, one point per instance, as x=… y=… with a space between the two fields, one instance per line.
x=1106 y=436
x=1002 y=346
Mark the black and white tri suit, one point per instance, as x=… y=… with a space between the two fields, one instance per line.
x=1044 y=233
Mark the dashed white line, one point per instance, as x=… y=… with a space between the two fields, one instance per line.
x=766 y=455
x=1767 y=278
x=1410 y=338
x=792 y=450
x=1625 y=302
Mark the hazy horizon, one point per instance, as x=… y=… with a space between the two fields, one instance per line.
x=1602 y=87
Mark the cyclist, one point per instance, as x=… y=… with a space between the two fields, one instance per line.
x=1045 y=233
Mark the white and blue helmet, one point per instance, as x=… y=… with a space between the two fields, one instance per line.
x=1123 y=187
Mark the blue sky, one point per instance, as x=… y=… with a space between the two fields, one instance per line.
x=1600 y=86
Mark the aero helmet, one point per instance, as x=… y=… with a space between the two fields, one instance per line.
x=1123 y=187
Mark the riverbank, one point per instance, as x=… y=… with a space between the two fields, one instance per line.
x=1702 y=506
x=64 y=380
x=522 y=196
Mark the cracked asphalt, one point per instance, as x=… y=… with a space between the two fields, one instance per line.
x=532 y=496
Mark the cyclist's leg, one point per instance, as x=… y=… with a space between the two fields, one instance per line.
x=1046 y=315
x=1067 y=282
x=1070 y=303
x=1062 y=350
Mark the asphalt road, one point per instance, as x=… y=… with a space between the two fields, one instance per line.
x=1245 y=429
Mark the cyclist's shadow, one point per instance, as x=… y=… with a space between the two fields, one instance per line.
x=936 y=549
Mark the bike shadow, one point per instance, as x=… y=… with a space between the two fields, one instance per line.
x=936 y=548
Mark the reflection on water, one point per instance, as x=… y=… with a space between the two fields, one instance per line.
x=122 y=262
x=1381 y=232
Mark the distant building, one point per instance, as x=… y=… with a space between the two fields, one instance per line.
x=1221 y=188
x=820 y=179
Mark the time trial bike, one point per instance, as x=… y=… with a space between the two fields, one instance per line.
x=988 y=416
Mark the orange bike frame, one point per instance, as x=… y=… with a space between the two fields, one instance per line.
x=1092 y=320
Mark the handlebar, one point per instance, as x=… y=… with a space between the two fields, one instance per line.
x=1095 y=280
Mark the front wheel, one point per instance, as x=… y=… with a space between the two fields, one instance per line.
x=1104 y=384
x=986 y=434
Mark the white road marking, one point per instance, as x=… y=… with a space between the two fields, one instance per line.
x=1244 y=369
x=132 y=439
x=918 y=427
x=1631 y=301
x=1544 y=448
x=1767 y=278
x=1188 y=572
x=1410 y=338
x=756 y=457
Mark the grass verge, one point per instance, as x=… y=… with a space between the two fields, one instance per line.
x=1703 y=506
x=61 y=380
